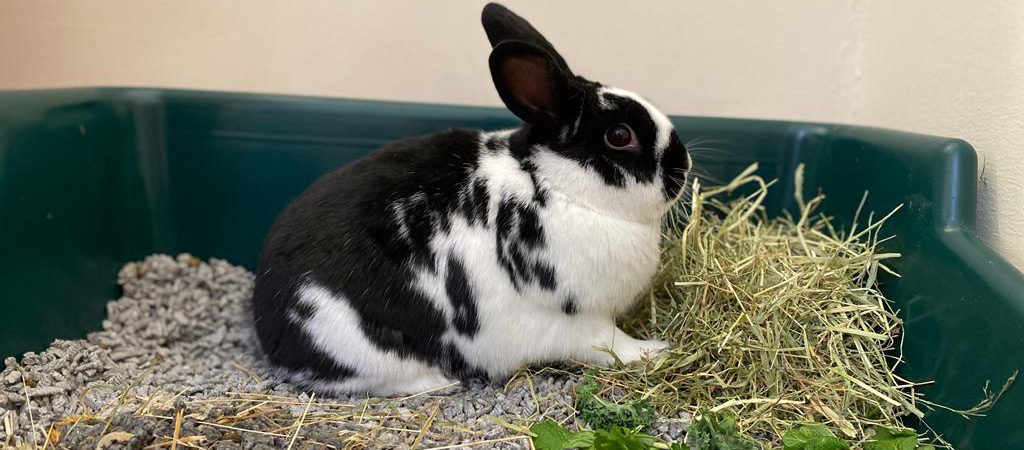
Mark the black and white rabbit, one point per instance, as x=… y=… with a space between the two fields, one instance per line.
x=469 y=253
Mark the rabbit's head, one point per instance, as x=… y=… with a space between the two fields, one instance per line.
x=602 y=146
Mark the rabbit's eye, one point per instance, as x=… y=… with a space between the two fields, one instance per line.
x=620 y=137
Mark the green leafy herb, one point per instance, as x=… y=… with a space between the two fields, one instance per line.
x=717 y=431
x=583 y=439
x=892 y=439
x=549 y=435
x=618 y=438
x=812 y=437
x=603 y=415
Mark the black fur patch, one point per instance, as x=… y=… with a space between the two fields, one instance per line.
x=606 y=168
x=540 y=195
x=569 y=306
x=475 y=203
x=545 y=276
x=494 y=143
x=460 y=294
x=323 y=368
x=302 y=310
x=531 y=232
x=519 y=233
x=457 y=366
x=674 y=165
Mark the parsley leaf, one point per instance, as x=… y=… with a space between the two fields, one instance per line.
x=812 y=437
x=583 y=439
x=618 y=438
x=891 y=439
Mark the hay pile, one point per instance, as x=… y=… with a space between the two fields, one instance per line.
x=777 y=320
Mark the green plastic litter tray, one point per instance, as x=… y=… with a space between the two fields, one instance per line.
x=93 y=178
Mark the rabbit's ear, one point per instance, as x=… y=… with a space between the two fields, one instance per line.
x=531 y=83
x=503 y=25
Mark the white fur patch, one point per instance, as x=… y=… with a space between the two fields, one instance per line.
x=661 y=121
x=504 y=177
x=398 y=210
x=334 y=330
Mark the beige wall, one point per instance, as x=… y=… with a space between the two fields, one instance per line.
x=942 y=67
x=956 y=68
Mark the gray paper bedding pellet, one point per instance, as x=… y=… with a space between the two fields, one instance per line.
x=181 y=335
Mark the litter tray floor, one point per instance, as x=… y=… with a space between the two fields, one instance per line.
x=180 y=339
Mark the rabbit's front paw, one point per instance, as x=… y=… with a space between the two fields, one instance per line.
x=637 y=349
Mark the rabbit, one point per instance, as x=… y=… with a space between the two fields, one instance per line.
x=467 y=253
